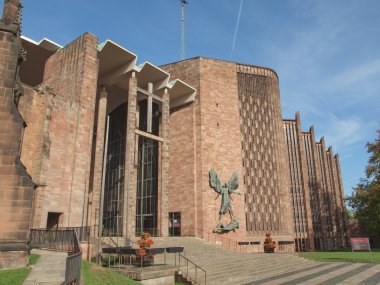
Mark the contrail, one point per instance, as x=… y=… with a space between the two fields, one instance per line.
x=236 y=28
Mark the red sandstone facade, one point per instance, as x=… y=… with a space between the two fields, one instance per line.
x=16 y=186
x=90 y=139
x=229 y=128
x=316 y=188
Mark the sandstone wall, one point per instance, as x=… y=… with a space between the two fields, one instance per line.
x=16 y=186
x=71 y=74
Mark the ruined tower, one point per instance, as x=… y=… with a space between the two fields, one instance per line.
x=17 y=187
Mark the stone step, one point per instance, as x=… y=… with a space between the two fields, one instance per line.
x=249 y=271
x=369 y=276
x=321 y=278
x=227 y=267
x=281 y=273
x=261 y=278
x=255 y=266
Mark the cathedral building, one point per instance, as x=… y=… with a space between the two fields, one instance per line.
x=92 y=138
x=319 y=210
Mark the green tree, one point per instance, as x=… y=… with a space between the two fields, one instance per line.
x=350 y=214
x=365 y=199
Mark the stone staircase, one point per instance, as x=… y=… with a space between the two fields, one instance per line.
x=223 y=266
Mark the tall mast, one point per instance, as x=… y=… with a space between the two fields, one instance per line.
x=183 y=2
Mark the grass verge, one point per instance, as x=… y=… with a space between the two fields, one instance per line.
x=344 y=256
x=17 y=276
x=92 y=274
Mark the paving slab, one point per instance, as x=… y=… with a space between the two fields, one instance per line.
x=371 y=276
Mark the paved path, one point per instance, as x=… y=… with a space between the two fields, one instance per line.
x=49 y=269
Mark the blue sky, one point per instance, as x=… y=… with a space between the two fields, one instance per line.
x=326 y=52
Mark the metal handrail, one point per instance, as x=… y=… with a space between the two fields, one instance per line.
x=73 y=263
x=61 y=240
x=83 y=233
x=235 y=244
x=195 y=266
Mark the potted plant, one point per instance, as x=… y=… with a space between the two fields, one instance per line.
x=269 y=244
x=145 y=242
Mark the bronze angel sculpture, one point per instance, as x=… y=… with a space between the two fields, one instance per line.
x=226 y=203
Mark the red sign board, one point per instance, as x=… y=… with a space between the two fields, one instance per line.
x=360 y=244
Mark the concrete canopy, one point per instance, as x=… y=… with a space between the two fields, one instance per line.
x=116 y=64
x=32 y=70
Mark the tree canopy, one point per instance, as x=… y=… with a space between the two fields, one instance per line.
x=365 y=199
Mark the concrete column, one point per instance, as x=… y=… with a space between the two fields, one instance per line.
x=149 y=109
x=164 y=219
x=129 y=208
x=98 y=164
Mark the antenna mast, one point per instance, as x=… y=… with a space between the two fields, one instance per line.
x=183 y=2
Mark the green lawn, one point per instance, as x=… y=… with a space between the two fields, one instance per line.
x=93 y=274
x=343 y=256
x=17 y=276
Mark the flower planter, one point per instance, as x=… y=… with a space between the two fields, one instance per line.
x=269 y=250
x=269 y=244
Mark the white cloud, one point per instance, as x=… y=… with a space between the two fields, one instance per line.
x=353 y=75
x=343 y=132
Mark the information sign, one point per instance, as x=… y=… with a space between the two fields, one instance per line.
x=360 y=244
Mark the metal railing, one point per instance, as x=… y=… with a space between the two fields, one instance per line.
x=226 y=242
x=73 y=263
x=61 y=240
x=212 y=237
x=83 y=233
x=190 y=270
x=65 y=240
x=132 y=260
x=283 y=246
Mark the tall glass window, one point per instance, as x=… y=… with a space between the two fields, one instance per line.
x=147 y=177
x=115 y=165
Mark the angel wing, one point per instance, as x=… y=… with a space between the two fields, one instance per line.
x=214 y=181
x=233 y=184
